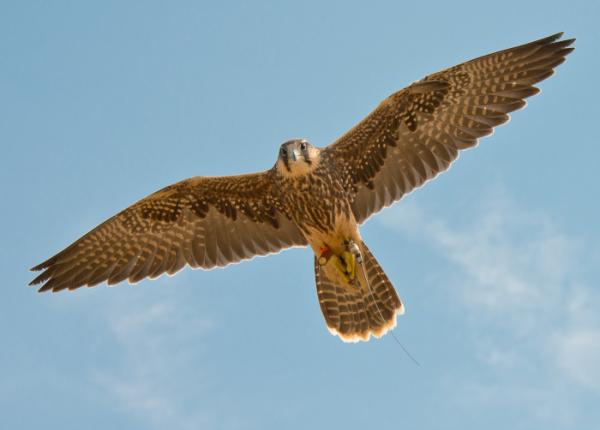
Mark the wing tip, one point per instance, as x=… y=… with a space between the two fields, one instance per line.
x=45 y=288
x=556 y=36
x=555 y=41
x=42 y=277
x=548 y=39
x=43 y=265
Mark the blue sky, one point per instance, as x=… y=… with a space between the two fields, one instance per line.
x=497 y=260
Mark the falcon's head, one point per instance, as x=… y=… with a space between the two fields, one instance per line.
x=297 y=157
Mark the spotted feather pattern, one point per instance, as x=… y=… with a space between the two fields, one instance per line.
x=202 y=222
x=417 y=132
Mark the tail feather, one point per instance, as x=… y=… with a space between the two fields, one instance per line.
x=370 y=308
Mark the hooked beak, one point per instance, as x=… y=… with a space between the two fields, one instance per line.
x=295 y=154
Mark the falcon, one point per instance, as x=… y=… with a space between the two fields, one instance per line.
x=314 y=196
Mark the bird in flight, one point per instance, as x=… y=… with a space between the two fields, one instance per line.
x=316 y=196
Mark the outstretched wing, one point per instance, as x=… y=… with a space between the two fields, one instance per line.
x=417 y=132
x=202 y=221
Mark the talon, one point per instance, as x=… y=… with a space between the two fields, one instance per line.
x=350 y=260
x=339 y=265
x=344 y=264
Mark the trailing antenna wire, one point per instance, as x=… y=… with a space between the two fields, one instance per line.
x=354 y=249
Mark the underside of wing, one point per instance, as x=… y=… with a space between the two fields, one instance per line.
x=418 y=132
x=203 y=222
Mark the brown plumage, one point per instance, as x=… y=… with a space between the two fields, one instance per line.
x=314 y=196
x=356 y=314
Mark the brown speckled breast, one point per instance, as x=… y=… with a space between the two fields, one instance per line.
x=315 y=200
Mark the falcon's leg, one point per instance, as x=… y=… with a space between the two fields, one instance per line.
x=344 y=264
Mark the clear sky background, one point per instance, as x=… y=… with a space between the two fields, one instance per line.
x=102 y=103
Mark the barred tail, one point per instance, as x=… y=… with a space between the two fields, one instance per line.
x=355 y=314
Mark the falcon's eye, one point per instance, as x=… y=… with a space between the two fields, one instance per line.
x=283 y=151
x=303 y=146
